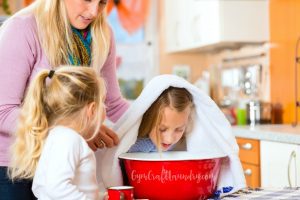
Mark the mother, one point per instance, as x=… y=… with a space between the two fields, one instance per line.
x=47 y=34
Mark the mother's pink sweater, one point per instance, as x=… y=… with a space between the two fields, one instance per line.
x=21 y=57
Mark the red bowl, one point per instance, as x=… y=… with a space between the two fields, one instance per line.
x=171 y=175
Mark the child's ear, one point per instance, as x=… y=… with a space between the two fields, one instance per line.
x=90 y=111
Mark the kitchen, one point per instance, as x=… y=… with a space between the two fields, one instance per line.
x=256 y=36
x=265 y=150
x=269 y=40
x=262 y=35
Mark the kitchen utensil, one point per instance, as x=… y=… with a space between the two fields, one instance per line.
x=171 y=175
x=259 y=112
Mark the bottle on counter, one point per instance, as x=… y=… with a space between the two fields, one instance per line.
x=242 y=113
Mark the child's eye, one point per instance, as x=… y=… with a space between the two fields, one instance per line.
x=162 y=130
x=179 y=130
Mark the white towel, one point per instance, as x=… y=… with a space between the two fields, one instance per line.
x=211 y=133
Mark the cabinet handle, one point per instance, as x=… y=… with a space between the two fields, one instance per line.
x=248 y=172
x=247 y=146
x=293 y=155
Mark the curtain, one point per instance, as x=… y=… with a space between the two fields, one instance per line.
x=132 y=13
x=27 y=2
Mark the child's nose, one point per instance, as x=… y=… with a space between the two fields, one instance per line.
x=168 y=138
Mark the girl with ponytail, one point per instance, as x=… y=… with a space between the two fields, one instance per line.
x=46 y=35
x=60 y=114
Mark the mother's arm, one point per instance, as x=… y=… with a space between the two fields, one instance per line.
x=116 y=105
x=16 y=58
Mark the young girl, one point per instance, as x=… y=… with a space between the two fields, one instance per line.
x=166 y=122
x=210 y=135
x=61 y=112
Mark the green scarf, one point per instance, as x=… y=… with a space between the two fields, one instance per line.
x=82 y=52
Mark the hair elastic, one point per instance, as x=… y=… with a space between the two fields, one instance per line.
x=51 y=73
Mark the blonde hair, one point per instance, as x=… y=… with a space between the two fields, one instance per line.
x=177 y=98
x=56 y=38
x=50 y=102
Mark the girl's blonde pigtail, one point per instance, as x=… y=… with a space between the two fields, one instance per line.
x=31 y=131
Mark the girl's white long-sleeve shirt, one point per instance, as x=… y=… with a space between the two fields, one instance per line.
x=66 y=169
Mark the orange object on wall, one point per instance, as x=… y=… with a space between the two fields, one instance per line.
x=27 y=2
x=132 y=13
x=285 y=30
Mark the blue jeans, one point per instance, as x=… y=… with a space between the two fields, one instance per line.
x=18 y=190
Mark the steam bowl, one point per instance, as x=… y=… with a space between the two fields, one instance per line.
x=171 y=175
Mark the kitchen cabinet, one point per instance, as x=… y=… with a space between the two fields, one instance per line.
x=200 y=25
x=279 y=164
x=176 y=19
x=250 y=157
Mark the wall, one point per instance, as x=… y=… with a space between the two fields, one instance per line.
x=14 y=5
x=285 y=30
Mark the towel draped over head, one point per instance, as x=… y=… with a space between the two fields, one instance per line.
x=211 y=133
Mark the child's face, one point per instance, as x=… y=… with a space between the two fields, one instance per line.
x=171 y=128
x=91 y=114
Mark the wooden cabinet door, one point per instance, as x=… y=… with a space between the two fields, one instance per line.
x=252 y=175
x=250 y=157
x=249 y=151
x=176 y=22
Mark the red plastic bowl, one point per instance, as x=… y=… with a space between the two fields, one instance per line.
x=171 y=175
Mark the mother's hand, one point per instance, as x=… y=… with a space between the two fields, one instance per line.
x=105 y=138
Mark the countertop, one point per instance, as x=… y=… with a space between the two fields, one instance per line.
x=276 y=133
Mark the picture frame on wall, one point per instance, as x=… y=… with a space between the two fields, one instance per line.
x=183 y=71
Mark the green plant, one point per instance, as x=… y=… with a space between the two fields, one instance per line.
x=5 y=6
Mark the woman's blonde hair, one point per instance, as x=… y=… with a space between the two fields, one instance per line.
x=62 y=98
x=177 y=98
x=56 y=38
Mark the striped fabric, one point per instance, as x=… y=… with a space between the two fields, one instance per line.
x=82 y=42
x=143 y=145
x=264 y=194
